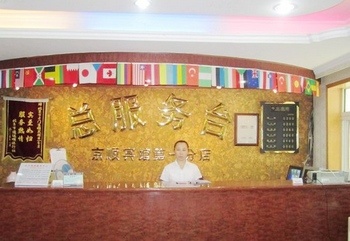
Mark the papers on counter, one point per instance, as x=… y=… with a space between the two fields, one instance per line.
x=196 y=183
x=202 y=182
x=33 y=175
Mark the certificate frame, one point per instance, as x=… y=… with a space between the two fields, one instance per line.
x=246 y=129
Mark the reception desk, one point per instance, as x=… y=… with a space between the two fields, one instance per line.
x=247 y=211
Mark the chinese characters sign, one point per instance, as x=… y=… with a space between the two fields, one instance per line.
x=144 y=154
x=82 y=122
x=25 y=127
x=216 y=121
x=126 y=111
x=172 y=112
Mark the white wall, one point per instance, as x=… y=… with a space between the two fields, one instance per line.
x=320 y=131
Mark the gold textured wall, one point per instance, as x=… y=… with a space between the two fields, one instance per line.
x=228 y=162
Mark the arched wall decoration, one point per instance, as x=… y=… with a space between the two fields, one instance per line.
x=156 y=70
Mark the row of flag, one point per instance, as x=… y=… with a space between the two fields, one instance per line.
x=157 y=74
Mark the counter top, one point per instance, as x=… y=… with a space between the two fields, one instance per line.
x=149 y=185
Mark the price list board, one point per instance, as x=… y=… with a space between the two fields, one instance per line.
x=280 y=127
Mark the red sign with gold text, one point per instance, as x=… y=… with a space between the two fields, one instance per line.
x=24 y=128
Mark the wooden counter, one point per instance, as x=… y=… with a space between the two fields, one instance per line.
x=137 y=211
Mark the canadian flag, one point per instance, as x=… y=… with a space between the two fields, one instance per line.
x=107 y=74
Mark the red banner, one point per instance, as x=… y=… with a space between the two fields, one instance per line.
x=24 y=128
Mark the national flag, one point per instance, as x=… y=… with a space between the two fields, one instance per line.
x=163 y=74
x=156 y=74
x=124 y=74
x=297 y=82
x=149 y=74
x=204 y=76
x=302 y=84
x=312 y=87
x=88 y=73
x=53 y=75
x=192 y=75
x=308 y=88
x=7 y=78
x=181 y=73
x=70 y=74
x=172 y=74
x=267 y=80
x=219 y=76
x=228 y=81
x=19 y=78
x=251 y=76
x=34 y=77
x=238 y=78
x=228 y=78
x=2 y=78
x=281 y=82
x=107 y=74
x=272 y=79
x=289 y=88
x=263 y=82
x=213 y=76
x=138 y=74
x=171 y=77
x=316 y=89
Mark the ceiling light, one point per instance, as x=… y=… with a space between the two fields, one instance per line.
x=143 y=4
x=284 y=7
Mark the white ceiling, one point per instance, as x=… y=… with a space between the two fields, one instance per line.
x=316 y=36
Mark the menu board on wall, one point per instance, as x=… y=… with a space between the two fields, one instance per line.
x=280 y=127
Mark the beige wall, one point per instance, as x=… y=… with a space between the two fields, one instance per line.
x=334 y=105
x=320 y=117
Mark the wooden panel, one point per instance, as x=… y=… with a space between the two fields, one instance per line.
x=251 y=212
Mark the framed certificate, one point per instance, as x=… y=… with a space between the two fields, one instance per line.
x=246 y=129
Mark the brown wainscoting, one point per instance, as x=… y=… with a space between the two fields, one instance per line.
x=246 y=213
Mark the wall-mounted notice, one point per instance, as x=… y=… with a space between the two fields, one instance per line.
x=280 y=127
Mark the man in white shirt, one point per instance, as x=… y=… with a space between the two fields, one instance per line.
x=181 y=170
